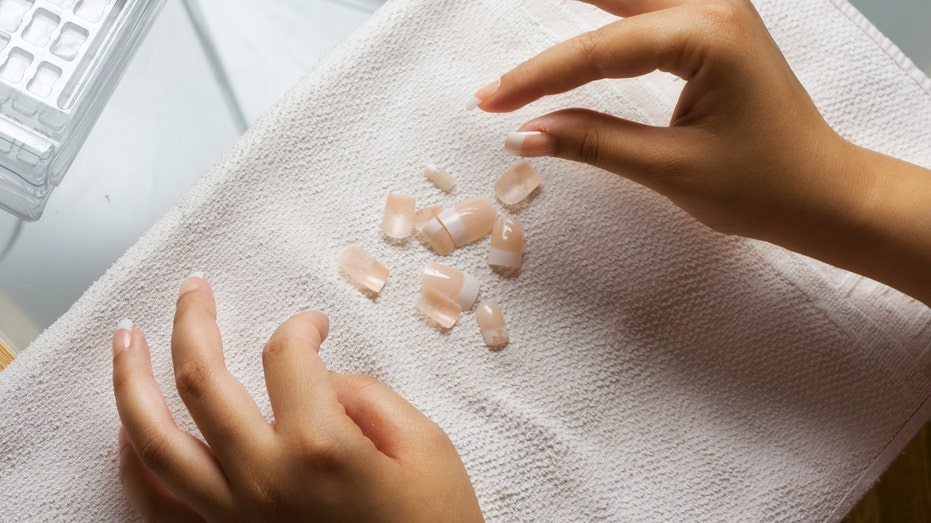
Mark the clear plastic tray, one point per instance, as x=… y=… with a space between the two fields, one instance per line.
x=59 y=63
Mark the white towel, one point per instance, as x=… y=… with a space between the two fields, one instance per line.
x=657 y=370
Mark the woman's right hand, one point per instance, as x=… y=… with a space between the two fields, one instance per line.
x=746 y=151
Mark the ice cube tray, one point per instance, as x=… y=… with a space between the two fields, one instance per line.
x=59 y=63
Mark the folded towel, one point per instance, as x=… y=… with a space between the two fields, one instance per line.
x=657 y=370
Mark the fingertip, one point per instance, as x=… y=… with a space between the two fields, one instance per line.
x=321 y=321
x=195 y=281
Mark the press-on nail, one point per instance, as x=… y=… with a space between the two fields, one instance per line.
x=468 y=220
x=124 y=331
x=491 y=324
x=399 y=217
x=516 y=184
x=438 y=307
x=439 y=176
x=529 y=144
x=507 y=244
x=437 y=237
x=461 y=287
x=483 y=94
x=363 y=270
x=423 y=216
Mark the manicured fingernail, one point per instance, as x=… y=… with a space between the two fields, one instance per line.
x=363 y=270
x=124 y=334
x=529 y=144
x=399 y=217
x=455 y=284
x=491 y=323
x=517 y=183
x=507 y=244
x=191 y=282
x=439 y=176
x=122 y=438
x=438 y=307
x=483 y=94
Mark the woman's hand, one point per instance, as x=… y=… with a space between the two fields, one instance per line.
x=341 y=447
x=746 y=151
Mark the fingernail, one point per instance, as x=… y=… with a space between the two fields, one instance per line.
x=191 y=282
x=124 y=334
x=363 y=270
x=438 y=307
x=461 y=287
x=399 y=217
x=122 y=438
x=529 y=144
x=517 y=183
x=507 y=244
x=491 y=324
x=439 y=176
x=483 y=94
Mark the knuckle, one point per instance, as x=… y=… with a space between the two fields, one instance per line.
x=317 y=451
x=154 y=451
x=192 y=379
x=588 y=46
x=588 y=147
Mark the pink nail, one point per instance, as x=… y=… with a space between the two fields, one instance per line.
x=483 y=94
x=529 y=144
x=124 y=330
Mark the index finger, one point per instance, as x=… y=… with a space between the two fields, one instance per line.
x=623 y=49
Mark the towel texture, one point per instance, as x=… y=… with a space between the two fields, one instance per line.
x=657 y=370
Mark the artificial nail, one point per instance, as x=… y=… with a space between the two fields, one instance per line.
x=468 y=220
x=461 y=287
x=483 y=94
x=437 y=237
x=528 y=144
x=363 y=270
x=423 y=216
x=491 y=324
x=507 y=244
x=125 y=330
x=399 y=217
x=439 y=176
x=517 y=183
x=438 y=307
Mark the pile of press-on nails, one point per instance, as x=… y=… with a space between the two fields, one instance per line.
x=447 y=292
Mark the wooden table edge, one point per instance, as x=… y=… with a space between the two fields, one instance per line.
x=6 y=356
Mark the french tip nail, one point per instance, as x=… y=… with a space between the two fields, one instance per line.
x=526 y=143
x=197 y=274
x=125 y=328
x=473 y=103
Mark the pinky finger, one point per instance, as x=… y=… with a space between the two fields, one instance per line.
x=146 y=493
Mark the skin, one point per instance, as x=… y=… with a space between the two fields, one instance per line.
x=746 y=153
x=341 y=448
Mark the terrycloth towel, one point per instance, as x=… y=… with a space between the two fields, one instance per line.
x=657 y=370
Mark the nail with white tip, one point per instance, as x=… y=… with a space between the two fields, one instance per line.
x=124 y=330
x=483 y=94
x=517 y=183
x=461 y=287
x=439 y=176
x=529 y=144
x=398 y=219
x=507 y=245
x=491 y=324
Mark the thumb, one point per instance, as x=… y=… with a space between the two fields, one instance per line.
x=645 y=154
x=395 y=426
